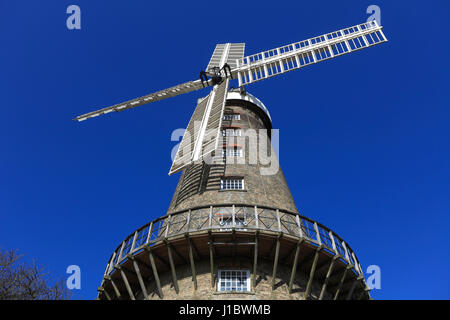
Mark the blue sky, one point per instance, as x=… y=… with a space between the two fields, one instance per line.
x=364 y=138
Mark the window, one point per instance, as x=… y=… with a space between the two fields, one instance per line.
x=231 y=116
x=231 y=152
x=231 y=184
x=234 y=280
x=231 y=132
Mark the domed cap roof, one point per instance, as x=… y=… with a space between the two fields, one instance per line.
x=235 y=94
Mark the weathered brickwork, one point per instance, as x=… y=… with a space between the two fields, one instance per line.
x=199 y=184
x=262 y=291
x=200 y=234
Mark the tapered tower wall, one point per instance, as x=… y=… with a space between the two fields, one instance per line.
x=246 y=243
x=262 y=290
x=264 y=184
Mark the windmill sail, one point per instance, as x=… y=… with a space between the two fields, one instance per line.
x=266 y=64
x=223 y=53
x=201 y=137
x=296 y=55
x=226 y=53
x=211 y=138
x=202 y=133
x=185 y=151
x=156 y=96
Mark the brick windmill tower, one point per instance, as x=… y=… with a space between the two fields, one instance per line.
x=232 y=230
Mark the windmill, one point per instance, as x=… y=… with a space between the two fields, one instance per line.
x=228 y=62
x=218 y=214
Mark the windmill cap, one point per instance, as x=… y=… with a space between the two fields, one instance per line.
x=235 y=94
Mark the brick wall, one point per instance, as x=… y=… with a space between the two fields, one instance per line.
x=262 y=291
x=199 y=184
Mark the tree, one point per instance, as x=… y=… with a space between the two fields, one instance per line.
x=21 y=281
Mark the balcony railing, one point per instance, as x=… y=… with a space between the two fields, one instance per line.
x=240 y=218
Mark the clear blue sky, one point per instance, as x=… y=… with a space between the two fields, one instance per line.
x=364 y=138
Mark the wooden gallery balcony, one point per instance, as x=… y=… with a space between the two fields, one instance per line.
x=210 y=234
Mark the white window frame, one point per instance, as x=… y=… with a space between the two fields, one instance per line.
x=231 y=116
x=225 y=280
x=232 y=152
x=231 y=132
x=232 y=184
